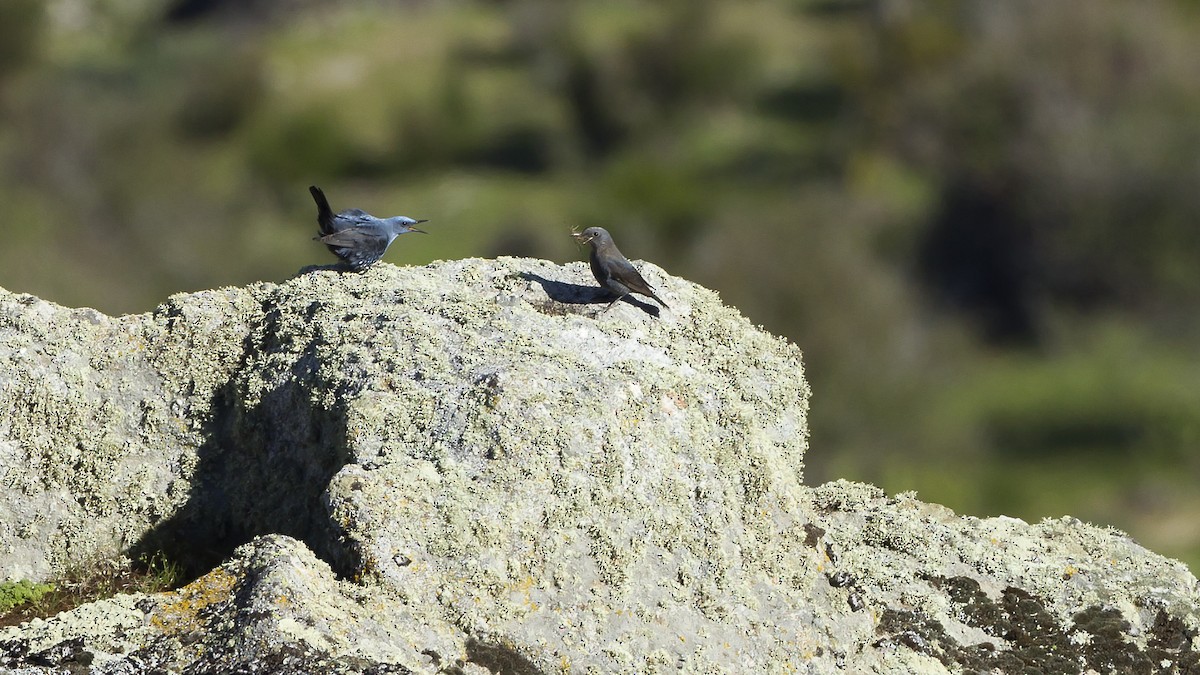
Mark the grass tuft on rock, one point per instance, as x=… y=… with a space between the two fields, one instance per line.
x=23 y=600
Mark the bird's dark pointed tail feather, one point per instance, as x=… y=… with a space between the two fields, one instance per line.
x=324 y=212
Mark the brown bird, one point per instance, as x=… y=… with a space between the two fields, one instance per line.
x=613 y=270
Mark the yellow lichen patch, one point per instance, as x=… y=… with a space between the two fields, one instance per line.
x=182 y=614
x=519 y=592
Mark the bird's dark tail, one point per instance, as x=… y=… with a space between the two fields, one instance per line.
x=324 y=213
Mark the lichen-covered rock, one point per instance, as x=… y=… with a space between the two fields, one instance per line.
x=224 y=414
x=274 y=607
x=97 y=443
x=935 y=592
x=469 y=468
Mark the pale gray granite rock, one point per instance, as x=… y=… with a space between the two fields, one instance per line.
x=464 y=468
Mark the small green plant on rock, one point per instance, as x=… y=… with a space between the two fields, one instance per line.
x=17 y=593
x=23 y=600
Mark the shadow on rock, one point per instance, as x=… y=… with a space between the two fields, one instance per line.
x=263 y=467
x=331 y=267
x=576 y=294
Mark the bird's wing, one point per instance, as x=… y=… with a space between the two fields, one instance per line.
x=361 y=247
x=357 y=238
x=350 y=219
x=624 y=272
x=355 y=214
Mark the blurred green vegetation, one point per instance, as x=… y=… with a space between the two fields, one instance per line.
x=978 y=220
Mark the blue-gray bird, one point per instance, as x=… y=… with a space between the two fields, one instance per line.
x=613 y=270
x=355 y=236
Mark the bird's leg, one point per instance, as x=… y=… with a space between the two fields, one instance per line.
x=610 y=305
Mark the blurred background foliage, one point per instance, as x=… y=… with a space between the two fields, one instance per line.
x=978 y=219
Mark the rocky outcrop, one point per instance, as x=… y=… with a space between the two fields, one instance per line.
x=469 y=467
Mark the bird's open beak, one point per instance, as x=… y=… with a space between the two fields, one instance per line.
x=413 y=229
x=581 y=238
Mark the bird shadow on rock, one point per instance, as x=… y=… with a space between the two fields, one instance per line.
x=577 y=294
x=331 y=267
x=262 y=468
